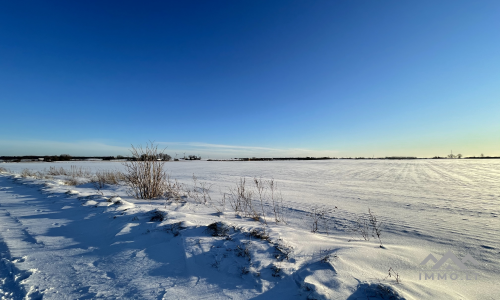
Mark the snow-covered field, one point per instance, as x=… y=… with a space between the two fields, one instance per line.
x=79 y=245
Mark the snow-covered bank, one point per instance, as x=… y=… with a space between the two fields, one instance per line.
x=80 y=245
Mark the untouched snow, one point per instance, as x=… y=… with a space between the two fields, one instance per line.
x=62 y=242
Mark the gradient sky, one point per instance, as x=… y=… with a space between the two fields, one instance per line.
x=250 y=78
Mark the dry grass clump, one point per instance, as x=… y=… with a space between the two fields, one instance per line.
x=240 y=199
x=71 y=181
x=266 y=194
x=200 y=192
x=74 y=171
x=174 y=189
x=57 y=171
x=107 y=177
x=3 y=170
x=78 y=171
x=145 y=175
x=27 y=173
x=368 y=225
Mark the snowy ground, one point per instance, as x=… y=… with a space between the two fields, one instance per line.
x=81 y=245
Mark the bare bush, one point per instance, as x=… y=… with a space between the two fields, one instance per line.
x=145 y=175
x=394 y=274
x=221 y=203
x=261 y=189
x=362 y=226
x=376 y=226
x=266 y=193
x=3 y=170
x=276 y=201
x=240 y=199
x=201 y=191
x=368 y=225
x=174 y=189
x=317 y=215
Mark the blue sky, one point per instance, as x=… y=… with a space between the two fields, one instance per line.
x=250 y=78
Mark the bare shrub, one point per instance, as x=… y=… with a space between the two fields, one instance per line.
x=221 y=203
x=260 y=187
x=376 y=226
x=317 y=214
x=201 y=191
x=276 y=201
x=266 y=193
x=174 y=189
x=3 y=170
x=362 y=226
x=145 y=175
x=368 y=226
x=240 y=199
x=394 y=274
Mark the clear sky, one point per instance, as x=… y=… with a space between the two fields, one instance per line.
x=250 y=78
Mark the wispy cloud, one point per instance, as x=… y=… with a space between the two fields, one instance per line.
x=206 y=150
x=226 y=151
x=44 y=147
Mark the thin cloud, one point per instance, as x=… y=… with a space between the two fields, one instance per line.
x=206 y=150
x=43 y=147
x=226 y=151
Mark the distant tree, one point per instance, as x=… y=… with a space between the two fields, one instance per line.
x=482 y=155
x=64 y=157
x=451 y=155
x=120 y=157
x=459 y=155
x=164 y=156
